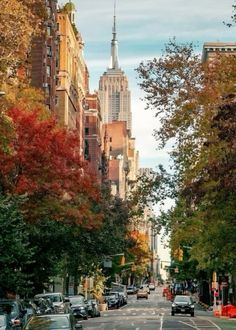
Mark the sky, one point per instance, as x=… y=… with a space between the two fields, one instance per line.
x=143 y=29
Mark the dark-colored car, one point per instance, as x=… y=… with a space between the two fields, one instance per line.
x=78 y=307
x=93 y=307
x=60 y=303
x=123 y=297
x=182 y=305
x=14 y=311
x=53 y=321
x=112 y=301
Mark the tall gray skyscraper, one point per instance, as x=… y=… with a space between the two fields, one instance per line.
x=113 y=89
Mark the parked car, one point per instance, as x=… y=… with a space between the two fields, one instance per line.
x=112 y=301
x=40 y=306
x=121 y=297
x=78 y=307
x=142 y=293
x=4 y=324
x=93 y=307
x=14 y=311
x=131 y=289
x=124 y=297
x=60 y=303
x=53 y=321
x=182 y=304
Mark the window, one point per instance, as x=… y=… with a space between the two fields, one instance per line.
x=86 y=130
x=47 y=90
x=49 y=51
x=49 y=30
x=48 y=70
x=49 y=11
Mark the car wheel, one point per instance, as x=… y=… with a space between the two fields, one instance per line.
x=146 y=297
x=85 y=317
x=192 y=314
x=172 y=313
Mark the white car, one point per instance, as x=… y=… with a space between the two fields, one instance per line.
x=151 y=286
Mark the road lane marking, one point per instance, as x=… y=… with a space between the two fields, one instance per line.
x=161 y=325
x=191 y=326
x=215 y=324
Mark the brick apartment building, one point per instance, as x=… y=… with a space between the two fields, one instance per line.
x=44 y=58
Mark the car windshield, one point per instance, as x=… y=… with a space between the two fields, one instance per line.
x=182 y=299
x=9 y=308
x=48 y=323
x=53 y=298
x=76 y=300
x=111 y=296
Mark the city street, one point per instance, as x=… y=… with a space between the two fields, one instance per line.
x=154 y=313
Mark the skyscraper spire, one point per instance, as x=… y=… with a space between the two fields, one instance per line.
x=114 y=44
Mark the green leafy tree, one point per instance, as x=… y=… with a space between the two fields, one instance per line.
x=195 y=103
x=16 y=253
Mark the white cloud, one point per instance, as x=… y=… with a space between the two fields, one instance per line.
x=143 y=28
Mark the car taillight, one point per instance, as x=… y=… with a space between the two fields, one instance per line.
x=16 y=322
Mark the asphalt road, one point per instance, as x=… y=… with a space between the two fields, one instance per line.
x=154 y=314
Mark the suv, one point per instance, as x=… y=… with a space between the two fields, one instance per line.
x=14 y=311
x=182 y=305
x=60 y=303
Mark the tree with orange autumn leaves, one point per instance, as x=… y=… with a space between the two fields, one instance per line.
x=140 y=253
x=20 y=20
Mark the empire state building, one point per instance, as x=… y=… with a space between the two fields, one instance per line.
x=113 y=89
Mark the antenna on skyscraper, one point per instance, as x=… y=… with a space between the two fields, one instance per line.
x=114 y=44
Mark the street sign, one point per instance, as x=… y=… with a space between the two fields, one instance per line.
x=107 y=263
